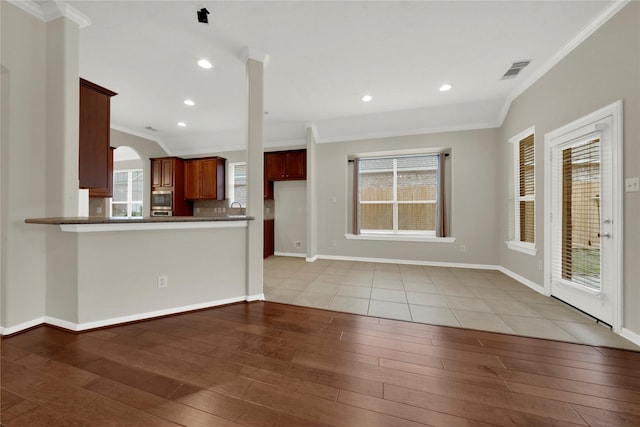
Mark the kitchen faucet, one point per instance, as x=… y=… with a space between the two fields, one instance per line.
x=233 y=203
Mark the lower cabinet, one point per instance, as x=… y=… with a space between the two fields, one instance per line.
x=269 y=237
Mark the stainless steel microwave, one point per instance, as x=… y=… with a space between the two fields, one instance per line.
x=161 y=200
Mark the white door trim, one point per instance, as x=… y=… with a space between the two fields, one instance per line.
x=614 y=111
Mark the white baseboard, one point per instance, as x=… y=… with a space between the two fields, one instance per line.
x=290 y=254
x=257 y=297
x=22 y=326
x=409 y=262
x=630 y=335
x=529 y=283
x=311 y=259
x=124 y=319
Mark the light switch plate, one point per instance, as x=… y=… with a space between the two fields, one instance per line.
x=632 y=184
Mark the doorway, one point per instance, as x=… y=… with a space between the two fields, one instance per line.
x=583 y=214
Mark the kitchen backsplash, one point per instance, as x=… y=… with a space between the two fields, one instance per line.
x=98 y=206
x=221 y=207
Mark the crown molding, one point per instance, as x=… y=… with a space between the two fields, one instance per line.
x=49 y=10
x=409 y=132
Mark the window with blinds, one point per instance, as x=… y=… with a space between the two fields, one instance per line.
x=580 y=246
x=524 y=192
x=398 y=194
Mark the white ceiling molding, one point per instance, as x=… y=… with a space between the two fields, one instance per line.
x=609 y=12
x=286 y=143
x=248 y=53
x=48 y=10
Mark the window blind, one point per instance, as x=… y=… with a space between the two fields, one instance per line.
x=399 y=194
x=580 y=251
x=526 y=185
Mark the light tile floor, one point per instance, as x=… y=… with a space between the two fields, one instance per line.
x=475 y=299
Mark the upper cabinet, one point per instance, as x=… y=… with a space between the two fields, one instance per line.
x=283 y=166
x=168 y=174
x=162 y=172
x=95 y=159
x=286 y=165
x=205 y=179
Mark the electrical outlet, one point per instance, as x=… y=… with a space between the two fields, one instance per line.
x=99 y=209
x=540 y=265
x=632 y=184
x=163 y=282
x=334 y=243
x=463 y=248
x=297 y=244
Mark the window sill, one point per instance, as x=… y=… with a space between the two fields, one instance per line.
x=400 y=238
x=526 y=248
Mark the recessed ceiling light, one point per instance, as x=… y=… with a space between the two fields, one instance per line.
x=445 y=87
x=189 y=102
x=205 y=64
x=182 y=124
x=366 y=98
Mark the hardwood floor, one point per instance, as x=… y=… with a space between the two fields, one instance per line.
x=270 y=364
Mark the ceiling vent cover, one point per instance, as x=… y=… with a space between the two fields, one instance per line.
x=515 y=69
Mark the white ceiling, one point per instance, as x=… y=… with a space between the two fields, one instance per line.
x=323 y=57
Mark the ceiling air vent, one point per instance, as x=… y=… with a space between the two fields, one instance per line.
x=515 y=69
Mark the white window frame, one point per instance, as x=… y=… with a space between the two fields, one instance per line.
x=231 y=185
x=515 y=243
x=426 y=237
x=395 y=202
x=129 y=201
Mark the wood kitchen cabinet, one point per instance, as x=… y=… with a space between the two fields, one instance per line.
x=168 y=174
x=162 y=172
x=95 y=156
x=283 y=166
x=269 y=238
x=205 y=179
x=108 y=190
x=286 y=165
x=268 y=184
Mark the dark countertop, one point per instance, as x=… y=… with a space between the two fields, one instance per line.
x=134 y=220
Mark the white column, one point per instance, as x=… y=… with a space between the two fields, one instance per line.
x=312 y=197
x=255 y=171
x=62 y=112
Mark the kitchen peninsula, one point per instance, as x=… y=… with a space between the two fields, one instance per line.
x=107 y=271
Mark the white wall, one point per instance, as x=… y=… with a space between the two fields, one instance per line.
x=603 y=69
